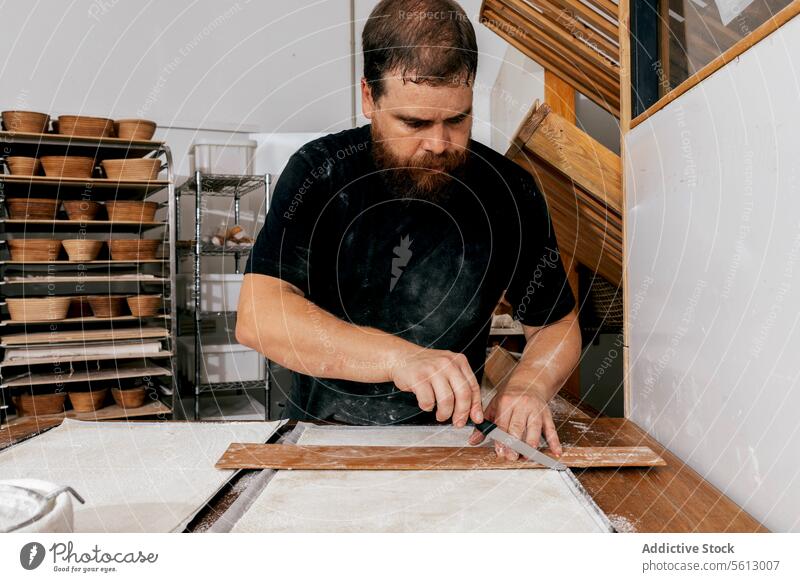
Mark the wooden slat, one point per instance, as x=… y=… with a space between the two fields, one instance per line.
x=78 y=336
x=602 y=78
x=607 y=7
x=578 y=156
x=559 y=37
x=579 y=30
x=580 y=79
x=575 y=218
x=577 y=9
x=367 y=458
x=48 y=380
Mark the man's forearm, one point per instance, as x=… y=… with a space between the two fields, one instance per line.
x=301 y=336
x=549 y=358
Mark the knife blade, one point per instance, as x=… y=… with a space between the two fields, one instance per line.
x=490 y=430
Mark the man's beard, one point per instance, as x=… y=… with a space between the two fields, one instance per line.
x=431 y=177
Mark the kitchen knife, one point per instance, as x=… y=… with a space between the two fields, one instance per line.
x=490 y=430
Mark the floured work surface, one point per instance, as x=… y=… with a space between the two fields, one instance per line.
x=364 y=458
x=134 y=476
x=513 y=500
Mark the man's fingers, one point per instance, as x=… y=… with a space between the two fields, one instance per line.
x=463 y=397
x=516 y=428
x=534 y=430
x=476 y=407
x=445 y=399
x=426 y=399
x=552 y=436
x=476 y=437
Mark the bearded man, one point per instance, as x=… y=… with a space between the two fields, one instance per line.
x=387 y=247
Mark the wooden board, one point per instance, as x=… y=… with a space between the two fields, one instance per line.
x=119 y=372
x=79 y=335
x=379 y=458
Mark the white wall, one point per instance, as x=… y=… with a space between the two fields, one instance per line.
x=282 y=65
x=713 y=213
x=520 y=82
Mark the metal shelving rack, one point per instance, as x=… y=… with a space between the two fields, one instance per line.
x=15 y=374
x=231 y=186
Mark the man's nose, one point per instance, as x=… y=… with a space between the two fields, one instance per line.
x=436 y=139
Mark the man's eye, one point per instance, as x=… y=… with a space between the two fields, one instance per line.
x=415 y=124
x=456 y=120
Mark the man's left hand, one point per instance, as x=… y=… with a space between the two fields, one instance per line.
x=524 y=414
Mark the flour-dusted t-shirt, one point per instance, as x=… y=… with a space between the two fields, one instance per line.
x=431 y=273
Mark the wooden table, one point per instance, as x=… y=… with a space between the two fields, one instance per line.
x=674 y=498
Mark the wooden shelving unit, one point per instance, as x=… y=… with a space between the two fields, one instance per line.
x=90 y=341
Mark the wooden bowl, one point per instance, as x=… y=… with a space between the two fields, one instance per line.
x=32 y=208
x=107 y=305
x=132 y=168
x=144 y=305
x=134 y=129
x=25 y=121
x=131 y=211
x=82 y=209
x=34 y=249
x=39 y=404
x=68 y=166
x=81 y=249
x=129 y=398
x=133 y=250
x=23 y=166
x=38 y=308
x=86 y=126
x=88 y=401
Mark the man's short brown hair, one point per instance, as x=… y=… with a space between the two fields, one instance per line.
x=423 y=41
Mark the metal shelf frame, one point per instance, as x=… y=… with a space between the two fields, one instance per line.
x=42 y=144
x=219 y=185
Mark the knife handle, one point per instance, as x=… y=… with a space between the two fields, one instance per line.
x=484 y=427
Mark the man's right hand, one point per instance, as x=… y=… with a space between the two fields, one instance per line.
x=442 y=379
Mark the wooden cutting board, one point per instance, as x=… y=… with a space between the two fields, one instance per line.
x=354 y=458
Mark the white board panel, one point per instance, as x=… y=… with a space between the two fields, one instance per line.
x=713 y=213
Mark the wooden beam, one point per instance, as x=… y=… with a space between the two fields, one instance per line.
x=624 y=127
x=381 y=458
x=578 y=156
x=579 y=79
x=555 y=35
x=578 y=9
x=579 y=30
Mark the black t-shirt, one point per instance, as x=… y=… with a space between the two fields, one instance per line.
x=432 y=273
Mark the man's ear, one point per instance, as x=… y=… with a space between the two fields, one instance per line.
x=367 y=102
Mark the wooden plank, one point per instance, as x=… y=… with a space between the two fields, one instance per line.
x=600 y=79
x=87 y=319
x=605 y=98
x=558 y=36
x=87 y=376
x=368 y=458
x=78 y=336
x=83 y=358
x=582 y=32
x=577 y=10
x=767 y=28
x=93 y=183
x=626 y=108
x=578 y=156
